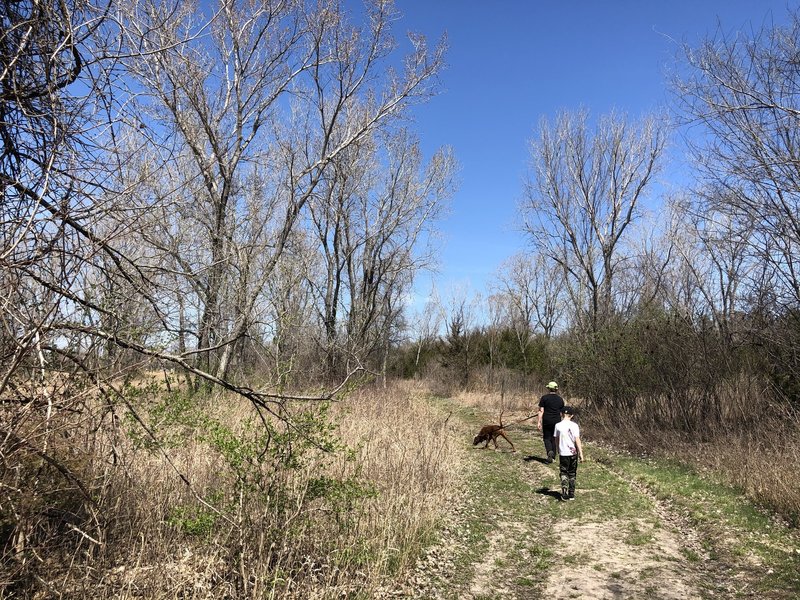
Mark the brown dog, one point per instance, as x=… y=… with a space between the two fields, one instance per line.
x=490 y=433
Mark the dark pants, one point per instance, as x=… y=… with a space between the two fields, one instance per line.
x=568 y=470
x=548 y=429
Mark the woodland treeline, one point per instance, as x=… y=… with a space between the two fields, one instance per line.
x=237 y=194
x=232 y=196
x=687 y=311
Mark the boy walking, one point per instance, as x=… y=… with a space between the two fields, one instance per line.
x=568 y=438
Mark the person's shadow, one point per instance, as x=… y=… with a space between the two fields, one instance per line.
x=538 y=459
x=545 y=491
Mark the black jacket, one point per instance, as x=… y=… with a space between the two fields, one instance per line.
x=552 y=404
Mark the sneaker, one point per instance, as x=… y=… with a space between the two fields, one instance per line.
x=564 y=495
x=571 y=496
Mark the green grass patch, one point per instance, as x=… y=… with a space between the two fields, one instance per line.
x=639 y=538
x=690 y=555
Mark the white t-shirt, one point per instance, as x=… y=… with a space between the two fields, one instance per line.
x=567 y=432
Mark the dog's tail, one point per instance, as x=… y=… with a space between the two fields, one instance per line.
x=501 y=419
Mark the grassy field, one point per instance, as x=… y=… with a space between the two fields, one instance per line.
x=391 y=500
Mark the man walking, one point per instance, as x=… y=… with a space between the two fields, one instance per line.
x=550 y=406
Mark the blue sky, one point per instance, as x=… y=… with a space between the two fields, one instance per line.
x=510 y=63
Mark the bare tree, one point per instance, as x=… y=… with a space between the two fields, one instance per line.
x=745 y=93
x=248 y=121
x=585 y=190
x=427 y=326
x=460 y=352
x=719 y=260
x=46 y=164
x=395 y=227
x=497 y=317
x=534 y=289
x=374 y=226
x=290 y=320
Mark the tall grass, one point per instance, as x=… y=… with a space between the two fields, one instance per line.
x=739 y=434
x=218 y=509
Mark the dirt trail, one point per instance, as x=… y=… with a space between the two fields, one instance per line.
x=510 y=536
x=597 y=556
x=610 y=568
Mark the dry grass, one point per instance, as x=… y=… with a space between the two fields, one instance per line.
x=414 y=459
x=206 y=516
x=766 y=467
x=517 y=404
x=753 y=445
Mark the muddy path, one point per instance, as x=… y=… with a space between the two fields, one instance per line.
x=509 y=535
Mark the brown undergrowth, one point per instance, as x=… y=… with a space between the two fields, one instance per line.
x=168 y=496
x=760 y=454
